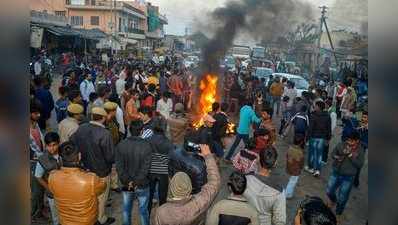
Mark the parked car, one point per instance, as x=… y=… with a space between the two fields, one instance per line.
x=191 y=62
x=262 y=72
x=300 y=83
x=229 y=63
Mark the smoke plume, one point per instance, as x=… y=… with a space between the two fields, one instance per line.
x=264 y=20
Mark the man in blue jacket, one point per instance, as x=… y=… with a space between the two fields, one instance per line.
x=247 y=116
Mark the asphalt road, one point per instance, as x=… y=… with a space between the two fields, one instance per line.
x=356 y=212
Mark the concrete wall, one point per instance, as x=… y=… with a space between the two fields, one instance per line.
x=49 y=5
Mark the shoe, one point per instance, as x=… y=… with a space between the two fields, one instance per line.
x=309 y=170
x=317 y=173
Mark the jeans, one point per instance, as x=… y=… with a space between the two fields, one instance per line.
x=143 y=199
x=102 y=200
x=316 y=147
x=162 y=182
x=277 y=100
x=325 y=153
x=291 y=185
x=238 y=138
x=37 y=194
x=344 y=184
x=53 y=210
x=218 y=149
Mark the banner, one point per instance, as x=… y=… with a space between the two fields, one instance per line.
x=36 y=37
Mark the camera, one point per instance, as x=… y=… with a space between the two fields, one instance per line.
x=193 y=147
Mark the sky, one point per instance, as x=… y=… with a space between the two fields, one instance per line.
x=182 y=13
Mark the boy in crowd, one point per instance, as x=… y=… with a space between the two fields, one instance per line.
x=266 y=193
x=348 y=159
x=61 y=104
x=46 y=163
x=294 y=164
x=235 y=209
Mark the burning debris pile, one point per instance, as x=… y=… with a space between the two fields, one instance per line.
x=262 y=19
x=208 y=95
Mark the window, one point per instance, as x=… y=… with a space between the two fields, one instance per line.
x=77 y=2
x=76 y=20
x=94 y=20
x=60 y=13
x=120 y=24
x=92 y=2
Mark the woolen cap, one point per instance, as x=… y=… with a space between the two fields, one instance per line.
x=180 y=186
x=110 y=106
x=99 y=111
x=75 y=108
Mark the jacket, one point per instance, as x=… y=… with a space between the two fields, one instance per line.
x=61 y=109
x=48 y=163
x=219 y=129
x=349 y=165
x=191 y=164
x=133 y=161
x=66 y=128
x=191 y=211
x=320 y=125
x=276 y=89
x=269 y=201
x=161 y=148
x=294 y=160
x=75 y=192
x=232 y=211
x=301 y=123
x=178 y=126
x=96 y=147
x=46 y=99
x=247 y=116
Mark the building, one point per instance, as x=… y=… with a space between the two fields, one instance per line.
x=119 y=19
x=134 y=24
x=156 y=22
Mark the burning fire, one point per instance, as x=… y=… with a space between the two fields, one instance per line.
x=208 y=94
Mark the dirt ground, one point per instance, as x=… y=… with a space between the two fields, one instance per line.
x=356 y=212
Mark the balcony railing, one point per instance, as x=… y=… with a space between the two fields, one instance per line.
x=136 y=31
x=116 y=5
x=42 y=17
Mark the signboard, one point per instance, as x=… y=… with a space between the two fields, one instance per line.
x=36 y=37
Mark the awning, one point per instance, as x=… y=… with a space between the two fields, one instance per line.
x=93 y=34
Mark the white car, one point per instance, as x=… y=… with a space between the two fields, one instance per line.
x=300 y=83
x=191 y=62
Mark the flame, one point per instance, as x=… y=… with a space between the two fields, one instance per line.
x=231 y=128
x=208 y=95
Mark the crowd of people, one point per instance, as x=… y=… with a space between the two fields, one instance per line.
x=124 y=129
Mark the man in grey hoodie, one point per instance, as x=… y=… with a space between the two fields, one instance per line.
x=348 y=159
x=265 y=193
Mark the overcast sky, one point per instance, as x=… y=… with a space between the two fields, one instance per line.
x=181 y=13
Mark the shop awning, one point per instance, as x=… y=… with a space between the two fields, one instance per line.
x=93 y=34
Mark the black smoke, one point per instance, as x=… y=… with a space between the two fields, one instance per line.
x=264 y=20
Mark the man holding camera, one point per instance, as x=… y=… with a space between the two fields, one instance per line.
x=348 y=159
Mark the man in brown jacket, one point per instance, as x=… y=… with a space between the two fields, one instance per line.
x=276 y=91
x=184 y=209
x=75 y=190
x=294 y=164
x=178 y=125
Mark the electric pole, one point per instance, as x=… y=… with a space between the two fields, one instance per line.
x=323 y=22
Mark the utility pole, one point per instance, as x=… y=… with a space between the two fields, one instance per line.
x=323 y=22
